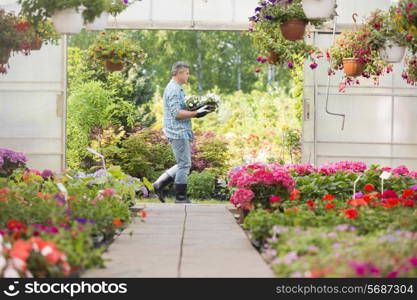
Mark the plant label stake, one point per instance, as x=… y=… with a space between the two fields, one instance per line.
x=384 y=176
x=99 y=155
x=63 y=189
x=354 y=185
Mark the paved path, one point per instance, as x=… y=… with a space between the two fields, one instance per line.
x=197 y=240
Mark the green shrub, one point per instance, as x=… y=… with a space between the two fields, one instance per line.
x=201 y=185
x=145 y=154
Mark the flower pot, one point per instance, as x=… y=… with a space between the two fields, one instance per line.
x=392 y=53
x=99 y=23
x=4 y=56
x=293 y=29
x=318 y=9
x=353 y=66
x=68 y=21
x=272 y=58
x=114 y=66
x=36 y=44
x=243 y=213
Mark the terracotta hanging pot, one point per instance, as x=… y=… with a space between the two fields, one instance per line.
x=4 y=56
x=353 y=66
x=114 y=66
x=293 y=29
x=272 y=58
x=36 y=44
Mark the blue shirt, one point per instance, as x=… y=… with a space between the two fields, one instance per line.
x=174 y=101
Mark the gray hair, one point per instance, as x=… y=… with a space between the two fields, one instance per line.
x=178 y=66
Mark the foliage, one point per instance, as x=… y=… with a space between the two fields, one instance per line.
x=357 y=44
x=383 y=29
x=117 y=6
x=270 y=42
x=210 y=152
x=340 y=252
x=406 y=22
x=87 y=108
x=37 y=11
x=278 y=12
x=116 y=47
x=10 y=161
x=146 y=153
x=410 y=73
x=201 y=185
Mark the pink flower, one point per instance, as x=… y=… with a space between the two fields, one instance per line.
x=413 y=261
x=274 y=199
x=410 y=5
x=242 y=197
x=257 y=70
x=108 y=192
x=313 y=65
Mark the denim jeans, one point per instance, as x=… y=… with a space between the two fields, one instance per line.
x=182 y=152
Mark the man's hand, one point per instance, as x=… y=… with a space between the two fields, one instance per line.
x=202 y=111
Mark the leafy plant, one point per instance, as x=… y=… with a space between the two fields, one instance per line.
x=116 y=47
x=201 y=185
x=406 y=22
x=410 y=73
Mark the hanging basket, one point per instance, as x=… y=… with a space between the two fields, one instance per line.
x=392 y=53
x=318 y=9
x=36 y=45
x=114 y=66
x=293 y=29
x=99 y=23
x=4 y=56
x=353 y=66
x=68 y=21
x=272 y=58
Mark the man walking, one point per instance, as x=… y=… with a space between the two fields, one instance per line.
x=178 y=130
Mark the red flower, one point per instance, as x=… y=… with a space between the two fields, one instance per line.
x=358 y=202
x=329 y=205
x=21 y=250
x=408 y=202
x=13 y=224
x=274 y=199
x=407 y=193
x=391 y=202
x=4 y=191
x=369 y=187
x=328 y=197
x=295 y=195
x=351 y=213
x=117 y=222
x=310 y=204
x=143 y=214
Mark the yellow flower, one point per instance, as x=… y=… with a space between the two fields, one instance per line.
x=120 y=53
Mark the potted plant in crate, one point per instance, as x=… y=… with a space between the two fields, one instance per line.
x=385 y=36
x=353 y=53
x=319 y=9
x=115 y=50
x=406 y=21
x=288 y=15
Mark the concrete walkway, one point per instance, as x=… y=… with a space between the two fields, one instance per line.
x=197 y=240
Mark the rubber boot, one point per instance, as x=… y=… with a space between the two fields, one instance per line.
x=181 y=193
x=159 y=185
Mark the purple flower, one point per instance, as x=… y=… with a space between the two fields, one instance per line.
x=414 y=187
x=60 y=199
x=258 y=9
x=126 y=2
x=68 y=211
x=46 y=174
x=268 y=18
x=290 y=65
x=144 y=191
x=313 y=65
x=81 y=221
x=359 y=195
